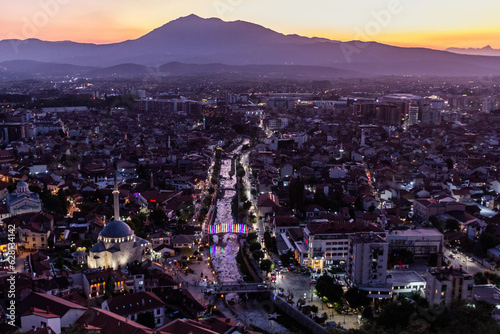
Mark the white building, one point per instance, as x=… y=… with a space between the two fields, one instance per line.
x=367 y=265
x=117 y=246
x=23 y=200
x=328 y=242
x=448 y=284
x=405 y=282
x=57 y=314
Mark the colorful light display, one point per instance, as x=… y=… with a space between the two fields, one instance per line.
x=228 y=228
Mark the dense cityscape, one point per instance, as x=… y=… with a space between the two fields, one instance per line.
x=220 y=177
x=308 y=207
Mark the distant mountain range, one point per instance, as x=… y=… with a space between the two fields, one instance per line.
x=193 y=45
x=27 y=69
x=485 y=51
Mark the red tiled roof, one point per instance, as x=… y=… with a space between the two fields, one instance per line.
x=179 y=326
x=55 y=304
x=111 y=323
x=135 y=303
x=41 y=313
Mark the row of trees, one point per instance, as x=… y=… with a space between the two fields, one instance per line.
x=257 y=253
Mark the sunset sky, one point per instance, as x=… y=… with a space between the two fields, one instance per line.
x=436 y=24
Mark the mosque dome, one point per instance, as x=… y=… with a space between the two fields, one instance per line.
x=116 y=229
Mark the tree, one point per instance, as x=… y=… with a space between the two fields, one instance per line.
x=87 y=243
x=285 y=258
x=357 y=298
x=251 y=238
x=255 y=246
x=158 y=216
x=246 y=206
x=147 y=319
x=452 y=225
x=487 y=241
x=367 y=312
x=326 y=287
x=267 y=265
x=480 y=279
x=257 y=254
x=396 y=314
x=240 y=171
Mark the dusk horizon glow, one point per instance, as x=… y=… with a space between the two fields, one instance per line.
x=395 y=22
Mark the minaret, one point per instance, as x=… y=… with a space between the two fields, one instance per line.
x=116 y=200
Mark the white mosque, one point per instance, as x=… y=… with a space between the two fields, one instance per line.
x=117 y=245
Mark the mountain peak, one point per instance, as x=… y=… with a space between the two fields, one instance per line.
x=190 y=17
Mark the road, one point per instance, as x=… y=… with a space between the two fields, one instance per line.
x=460 y=260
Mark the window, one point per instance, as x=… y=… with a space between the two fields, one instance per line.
x=34 y=239
x=157 y=311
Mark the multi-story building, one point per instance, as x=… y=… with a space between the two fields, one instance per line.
x=448 y=284
x=328 y=242
x=367 y=264
x=175 y=105
x=35 y=229
x=421 y=242
x=413 y=118
x=94 y=282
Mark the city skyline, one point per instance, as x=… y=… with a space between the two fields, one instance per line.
x=395 y=22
